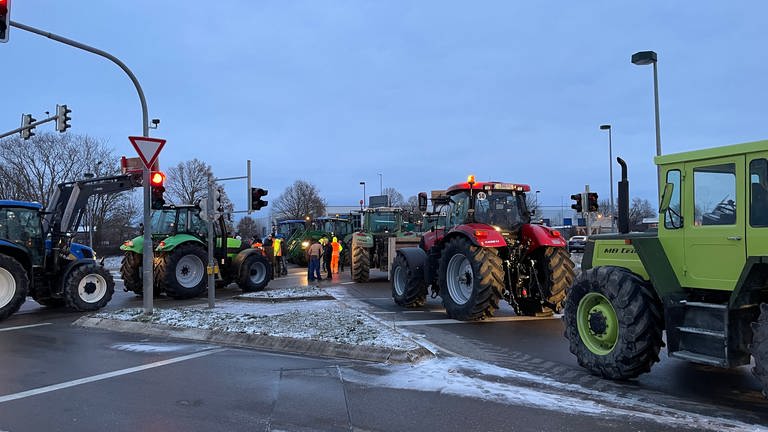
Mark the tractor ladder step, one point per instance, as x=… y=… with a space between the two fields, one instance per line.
x=703 y=305
x=700 y=358
x=701 y=331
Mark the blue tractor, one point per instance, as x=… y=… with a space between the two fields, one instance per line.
x=39 y=259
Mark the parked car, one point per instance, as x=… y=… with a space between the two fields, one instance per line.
x=577 y=243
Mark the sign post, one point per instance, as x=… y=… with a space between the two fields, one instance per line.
x=148 y=150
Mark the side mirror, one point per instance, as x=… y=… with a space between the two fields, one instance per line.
x=666 y=197
x=422 y=198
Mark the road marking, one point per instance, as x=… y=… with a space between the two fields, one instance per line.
x=453 y=321
x=100 y=377
x=23 y=327
x=347 y=283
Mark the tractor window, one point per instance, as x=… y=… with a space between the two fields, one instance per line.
x=182 y=223
x=459 y=207
x=384 y=222
x=21 y=226
x=714 y=194
x=500 y=208
x=163 y=221
x=758 y=205
x=673 y=218
x=196 y=224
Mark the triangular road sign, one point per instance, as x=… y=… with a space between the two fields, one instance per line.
x=147 y=148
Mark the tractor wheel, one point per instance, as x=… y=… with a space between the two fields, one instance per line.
x=130 y=270
x=255 y=273
x=88 y=287
x=361 y=264
x=613 y=320
x=14 y=284
x=182 y=272
x=471 y=280
x=759 y=348
x=408 y=287
x=554 y=273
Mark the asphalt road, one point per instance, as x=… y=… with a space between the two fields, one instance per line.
x=61 y=377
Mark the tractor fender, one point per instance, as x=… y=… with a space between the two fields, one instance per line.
x=135 y=245
x=539 y=236
x=16 y=252
x=417 y=261
x=362 y=239
x=238 y=260
x=175 y=241
x=80 y=251
x=479 y=235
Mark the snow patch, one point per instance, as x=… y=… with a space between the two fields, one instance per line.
x=286 y=293
x=156 y=347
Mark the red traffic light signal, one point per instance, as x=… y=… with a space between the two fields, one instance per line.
x=592 y=201
x=156 y=180
x=5 y=19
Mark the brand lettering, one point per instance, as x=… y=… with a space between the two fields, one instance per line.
x=621 y=250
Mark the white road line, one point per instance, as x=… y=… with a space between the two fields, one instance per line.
x=86 y=380
x=23 y=327
x=347 y=283
x=453 y=321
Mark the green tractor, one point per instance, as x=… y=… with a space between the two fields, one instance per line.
x=702 y=277
x=374 y=245
x=180 y=241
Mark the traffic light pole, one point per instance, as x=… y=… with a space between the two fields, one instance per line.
x=211 y=270
x=587 y=213
x=30 y=126
x=148 y=257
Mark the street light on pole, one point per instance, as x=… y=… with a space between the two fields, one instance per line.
x=381 y=184
x=643 y=58
x=363 y=183
x=610 y=170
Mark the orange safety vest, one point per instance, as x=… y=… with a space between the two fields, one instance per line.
x=336 y=248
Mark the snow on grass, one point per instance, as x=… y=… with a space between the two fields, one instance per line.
x=471 y=378
x=286 y=293
x=327 y=323
x=112 y=262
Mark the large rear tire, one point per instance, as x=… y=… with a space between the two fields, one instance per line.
x=88 y=287
x=181 y=273
x=408 y=286
x=613 y=320
x=471 y=280
x=555 y=275
x=14 y=284
x=361 y=264
x=255 y=273
x=130 y=270
x=759 y=348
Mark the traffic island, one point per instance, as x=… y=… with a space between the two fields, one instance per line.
x=310 y=324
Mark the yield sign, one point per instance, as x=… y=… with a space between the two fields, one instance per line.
x=147 y=148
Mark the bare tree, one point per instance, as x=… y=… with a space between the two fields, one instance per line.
x=248 y=228
x=395 y=197
x=187 y=182
x=640 y=209
x=299 y=200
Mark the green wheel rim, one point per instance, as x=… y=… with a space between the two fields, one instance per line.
x=598 y=324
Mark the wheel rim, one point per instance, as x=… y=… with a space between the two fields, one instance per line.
x=459 y=278
x=7 y=287
x=598 y=323
x=189 y=271
x=398 y=281
x=257 y=273
x=92 y=288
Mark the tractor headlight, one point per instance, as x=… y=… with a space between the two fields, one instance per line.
x=304 y=244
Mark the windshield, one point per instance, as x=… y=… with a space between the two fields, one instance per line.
x=21 y=226
x=287 y=229
x=163 y=221
x=383 y=222
x=505 y=210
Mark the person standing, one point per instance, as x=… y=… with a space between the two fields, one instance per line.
x=313 y=254
x=335 y=251
x=281 y=259
x=278 y=254
x=327 y=252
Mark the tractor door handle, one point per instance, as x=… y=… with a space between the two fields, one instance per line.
x=734 y=238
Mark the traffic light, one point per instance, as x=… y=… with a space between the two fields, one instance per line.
x=218 y=204
x=27 y=132
x=592 y=201
x=256 y=202
x=577 y=206
x=62 y=117
x=5 y=19
x=156 y=180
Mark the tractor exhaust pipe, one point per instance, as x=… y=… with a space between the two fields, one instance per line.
x=623 y=198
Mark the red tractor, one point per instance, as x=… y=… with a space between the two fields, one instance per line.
x=488 y=250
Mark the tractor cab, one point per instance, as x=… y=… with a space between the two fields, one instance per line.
x=173 y=220
x=21 y=227
x=383 y=220
x=501 y=205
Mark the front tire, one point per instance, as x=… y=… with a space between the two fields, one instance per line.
x=14 y=284
x=614 y=323
x=408 y=286
x=88 y=287
x=361 y=264
x=182 y=272
x=130 y=270
x=471 y=280
x=759 y=348
x=255 y=273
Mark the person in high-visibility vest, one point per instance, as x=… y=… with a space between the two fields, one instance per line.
x=336 y=248
x=278 y=251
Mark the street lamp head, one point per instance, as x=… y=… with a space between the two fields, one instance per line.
x=362 y=183
x=605 y=127
x=644 y=58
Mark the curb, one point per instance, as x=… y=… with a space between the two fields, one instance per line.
x=272 y=343
x=281 y=299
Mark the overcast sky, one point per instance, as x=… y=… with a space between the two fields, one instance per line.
x=424 y=92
